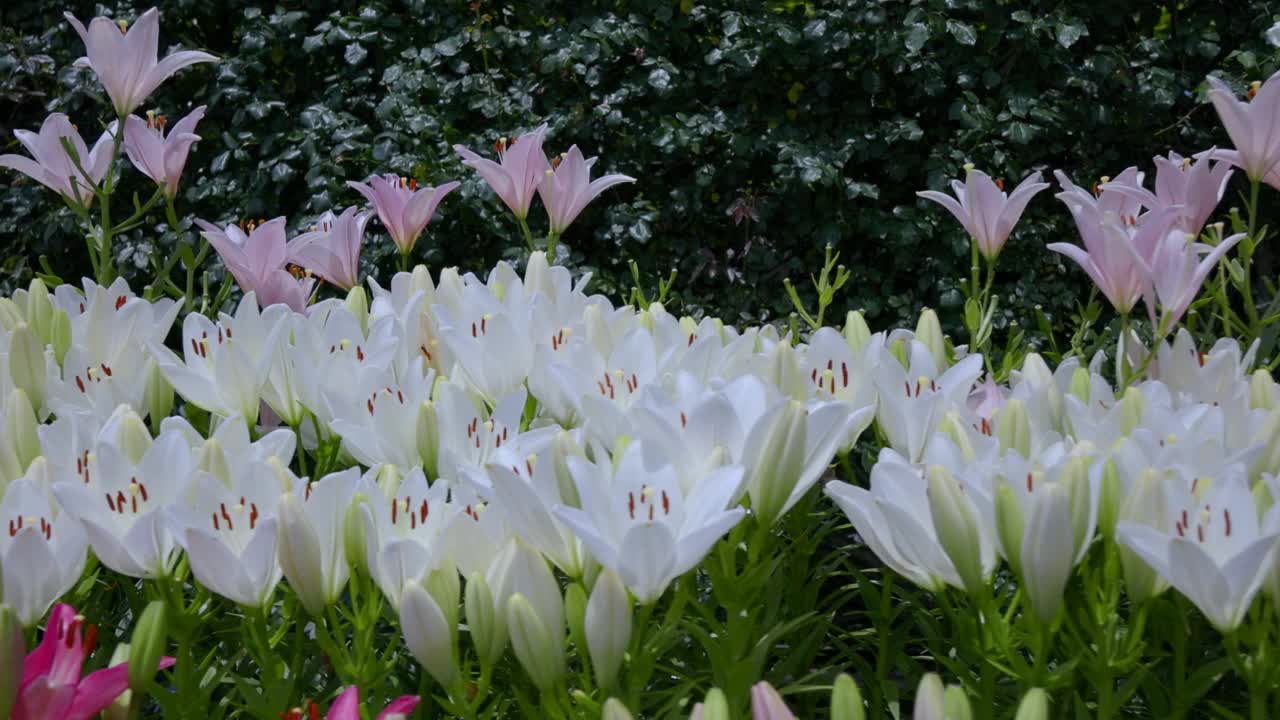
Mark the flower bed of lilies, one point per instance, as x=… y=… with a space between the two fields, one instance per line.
x=452 y=495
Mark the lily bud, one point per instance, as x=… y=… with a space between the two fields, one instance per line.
x=957 y=527
x=488 y=627
x=211 y=459
x=1075 y=480
x=929 y=332
x=780 y=462
x=60 y=334
x=445 y=585
x=354 y=533
x=428 y=634
x=283 y=474
x=1264 y=392
x=716 y=706
x=575 y=612
x=1147 y=505
x=930 y=699
x=1047 y=551
x=898 y=349
x=955 y=704
x=1010 y=526
x=157 y=397
x=1132 y=407
x=357 y=304
x=846 y=700
x=146 y=647
x=420 y=281
x=1013 y=428
x=13 y=650
x=1110 y=497
x=953 y=426
x=615 y=710
x=688 y=326
x=428 y=439
x=856 y=331
x=26 y=364
x=20 y=430
x=133 y=438
x=40 y=310
x=563 y=448
x=119 y=708
x=388 y=479
x=10 y=314
x=1268 y=437
x=1034 y=706
x=784 y=371
x=608 y=627
x=535 y=642
x=1081 y=382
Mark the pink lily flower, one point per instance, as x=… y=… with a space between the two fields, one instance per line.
x=1175 y=272
x=52 y=688
x=50 y=165
x=1192 y=189
x=125 y=60
x=1113 y=231
x=983 y=208
x=985 y=401
x=347 y=707
x=156 y=156
x=332 y=249
x=257 y=262
x=1254 y=126
x=766 y=704
x=568 y=189
x=519 y=173
x=403 y=207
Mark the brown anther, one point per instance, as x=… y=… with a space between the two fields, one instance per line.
x=1000 y=183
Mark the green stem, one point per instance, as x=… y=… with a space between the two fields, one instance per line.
x=884 y=651
x=528 y=235
x=402 y=263
x=106 y=267
x=1246 y=261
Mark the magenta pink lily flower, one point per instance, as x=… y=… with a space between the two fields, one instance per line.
x=1254 y=126
x=52 y=688
x=347 y=707
x=126 y=59
x=159 y=157
x=983 y=208
x=568 y=188
x=51 y=166
x=404 y=208
x=519 y=172
x=1192 y=189
x=1113 y=234
x=257 y=261
x=332 y=249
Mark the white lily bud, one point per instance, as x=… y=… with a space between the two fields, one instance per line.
x=11 y=315
x=955 y=704
x=1010 y=526
x=1132 y=407
x=488 y=627
x=20 y=429
x=357 y=303
x=428 y=438
x=310 y=545
x=1267 y=461
x=445 y=585
x=538 y=642
x=929 y=332
x=1034 y=706
x=783 y=369
x=428 y=634
x=1264 y=392
x=563 y=448
x=119 y=708
x=953 y=426
x=1081 y=382
x=956 y=523
x=856 y=331
x=26 y=364
x=1147 y=504
x=211 y=459
x=930 y=699
x=615 y=710
x=846 y=700
x=715 y=707
x=1013 y=428
x=779 y=463
x=355 y=533
x=420 y=281
x=1110 y=498
x=133 y=437
x=1047 y=551
x=157 y=396
x=1075 y=480
x=608 y=627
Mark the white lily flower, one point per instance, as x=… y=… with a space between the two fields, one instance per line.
x=229 y=453
x=42 y=551
x=387 y=419
x=230 y=533
x=914 y=399
x=636 y=520
x=311 y=549
x=226 y=365
x=477 y=534
x=120 y=505
x=405 y=532
x=1218 y=552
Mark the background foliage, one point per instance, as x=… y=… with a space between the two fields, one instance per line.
x=758 y=131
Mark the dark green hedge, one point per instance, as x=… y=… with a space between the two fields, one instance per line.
x=758 y=131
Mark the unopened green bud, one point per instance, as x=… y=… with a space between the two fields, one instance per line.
x=784 y=371
x=1075 y=480
x=898 y=349
x=428 y=438
x=563 y=448
x=488 y=627
x=1132 y=407
x=60 y=334
x=607 y=626
x=357 y=303
x=1267 y=439
x=846 y=700
x=856 y=331
x=157 y=396
x=428 y=634
x=40 y=310
x=1081 y=382
x=132 y=436
x=930 y=698
x=955 y=704
x=953 y=426
x=716 y=706
x=1110 y=497
x=1034 y=706
x=354 y=533
x=575 y=611
x=20 y=429
x=13 y=650
x=957 y=527
x=1264 y=392
x=26 y=364
x=929 y=332
x=1013 y=428
x=782 y=461
x=10 y=315
x=146 y=646
x=211 y=459
x=120 y=707
x=615 y=710
x=1146 y=505
x=445 y=585
x=538 y=647
x=388 y=479
x=1010 y=525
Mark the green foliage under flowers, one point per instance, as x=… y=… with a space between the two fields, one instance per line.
x=759 y=132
